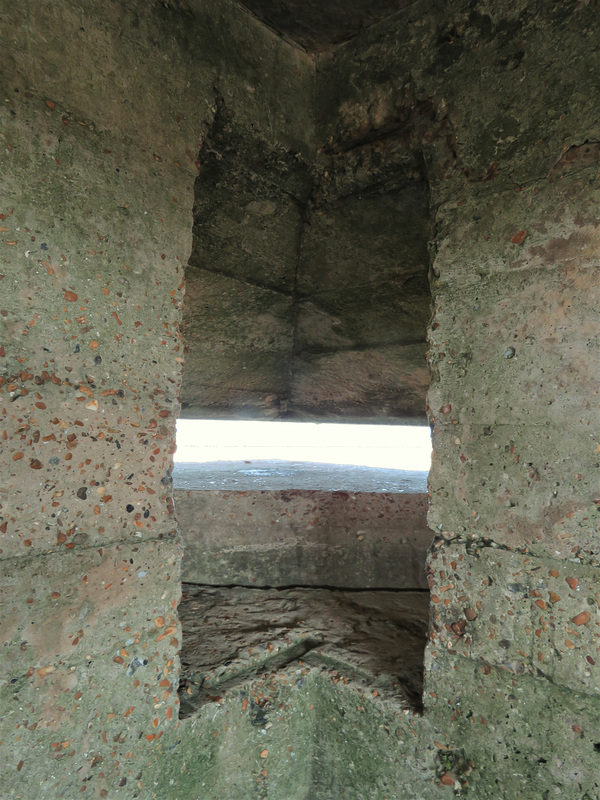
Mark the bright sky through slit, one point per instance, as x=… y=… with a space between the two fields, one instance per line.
x=403 y=447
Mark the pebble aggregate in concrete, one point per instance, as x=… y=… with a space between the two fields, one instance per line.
x=105 y=109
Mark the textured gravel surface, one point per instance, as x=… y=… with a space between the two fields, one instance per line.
x=229 y=634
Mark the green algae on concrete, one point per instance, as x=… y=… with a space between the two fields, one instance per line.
x=107 y=106
x=301 y=734
x=99 y=150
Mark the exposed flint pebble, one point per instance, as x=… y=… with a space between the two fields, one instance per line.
x=581 y=619
x=82 y=493
x=510 y=352
x=135 y=664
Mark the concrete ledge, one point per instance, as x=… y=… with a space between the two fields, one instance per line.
x=353 y=540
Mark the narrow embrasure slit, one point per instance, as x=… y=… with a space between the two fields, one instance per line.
x=307 y=299
x=287 y=570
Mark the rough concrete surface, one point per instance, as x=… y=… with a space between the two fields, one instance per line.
x=317 y=26
x=107 y=115
x=376 y=638
x=354 y=540
x=307 y=297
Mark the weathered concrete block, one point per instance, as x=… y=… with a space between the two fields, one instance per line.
x=540 y=478
x=90 y=667
x=287 y=732
x=78 y=602
x=307 y=538
x=551 y=224
x=365 y=239
x=527 y=615
x=251 y=235
x=78 y=420
x=249 y=207
x=240 y=339
x=510 y=350
x=373 y=315
x=95 y=489
x=365 y=384
x=543 y=736
x=465 y=76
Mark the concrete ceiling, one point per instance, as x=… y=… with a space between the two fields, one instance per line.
x=318 y=25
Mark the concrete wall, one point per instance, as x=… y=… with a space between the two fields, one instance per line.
x=511 y=681
x=307 y=288
x=357 y=540
x=99 y=144
x=101 y=124
x=250 y=199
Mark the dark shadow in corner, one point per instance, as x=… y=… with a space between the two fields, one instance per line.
x=374 y=638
